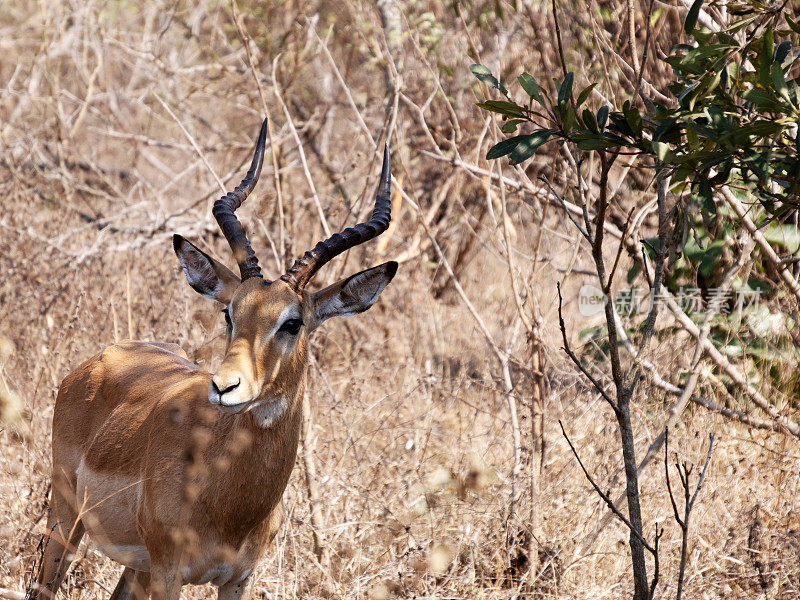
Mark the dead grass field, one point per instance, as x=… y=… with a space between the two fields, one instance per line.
x=411 y=435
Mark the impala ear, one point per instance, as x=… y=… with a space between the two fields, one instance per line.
x=207 y=276
x=352 y=295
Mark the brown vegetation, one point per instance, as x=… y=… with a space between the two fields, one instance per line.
x=119 y=124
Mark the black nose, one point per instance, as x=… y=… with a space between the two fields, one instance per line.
x=229 y=388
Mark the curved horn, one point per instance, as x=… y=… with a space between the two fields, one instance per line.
x=224 y=208
x=304 y=268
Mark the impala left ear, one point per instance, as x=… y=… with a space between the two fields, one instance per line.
x=352 y=295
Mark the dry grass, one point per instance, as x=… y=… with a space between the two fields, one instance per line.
x=413 y=441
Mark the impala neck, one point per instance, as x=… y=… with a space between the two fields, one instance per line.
x=272 y=447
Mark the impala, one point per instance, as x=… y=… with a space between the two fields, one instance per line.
x=178 y=473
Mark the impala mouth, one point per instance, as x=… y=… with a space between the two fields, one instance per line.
x=231 y=408
x=226 y=400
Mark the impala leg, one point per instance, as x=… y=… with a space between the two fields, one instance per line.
x=236 y=591
x=65 y=531
x=165 y=583
x=133 y=585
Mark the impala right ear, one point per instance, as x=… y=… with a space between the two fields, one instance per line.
x=207 y=276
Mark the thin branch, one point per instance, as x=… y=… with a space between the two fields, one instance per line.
x=669 y=484
x=632 y=41
x=597 y=385
x=605 y=497
x=564 y=206
x=684 y=471
x=558 y=39
x=703 y=472
x=656 y=570
x=755 y=232
x=276 y=180
x=621 y=245
x=301 y=152
x=343 y=83
x=197 y=149
x=518 y=185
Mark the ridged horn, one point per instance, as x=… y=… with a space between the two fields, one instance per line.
x=224 y=208
x=305 y=267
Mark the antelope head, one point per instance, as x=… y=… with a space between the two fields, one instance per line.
x=269 y=321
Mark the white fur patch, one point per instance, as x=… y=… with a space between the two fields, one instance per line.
x=243 y=576
x=135 y=557
x=110 y=503
x=266 y=412
x=290 y=312
x=219 y=575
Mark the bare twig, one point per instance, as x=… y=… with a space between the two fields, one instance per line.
x=684 y=471
x=192 y=141
x=605 y=497
x=563 y=204
x=301 y=152
x=597 y=385
x=272 y=146
x=343 y=84
x=779 y=266
x=314 y=498
x=518 y=185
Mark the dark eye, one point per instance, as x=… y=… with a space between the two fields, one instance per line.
x=291 y=326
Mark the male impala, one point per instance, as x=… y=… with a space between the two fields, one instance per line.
x=178 y=473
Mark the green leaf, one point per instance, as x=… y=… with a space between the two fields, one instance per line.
x=662 y=151
x=510 y=109
x=655 y=16
x=503 y=147
x=783 y=51
x=634 y=120
x=779 y=81
x=692 y=138
x=529 y=144
x=695 y=60
x=485 y=75
x=787 y=236
x=592 y=332
x=691 y=16
x=584 y=95
x=510 y=126
x=793 y=25
x=710 y=258
x=602 y=117
x=531 y=88
x=663 y=128
x=706 y=194
x=764 y=101
x=765 y=58
x=633 y=272
x=740 y=24
x=619 y=124
x=590 y=141
x=590 y=121
x=565 y=91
